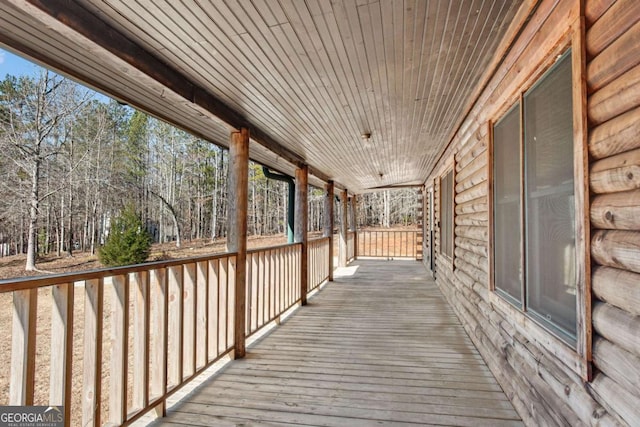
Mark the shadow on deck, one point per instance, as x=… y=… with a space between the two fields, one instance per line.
x=379 y=346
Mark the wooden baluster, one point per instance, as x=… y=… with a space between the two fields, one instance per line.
x=61 y=347
x=23 y=347
x=92 y=358
x=141 y=309
x=119 y=349
x=160 y=319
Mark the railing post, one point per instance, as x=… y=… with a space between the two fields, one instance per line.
x=354 y=225
x=237 y=229
x=329 y=224
x=342 y=259
x=300 y=229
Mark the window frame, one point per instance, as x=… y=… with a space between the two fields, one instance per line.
x=448 y=169
x=577 y=356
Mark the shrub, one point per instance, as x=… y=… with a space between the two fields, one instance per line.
x=128 y=241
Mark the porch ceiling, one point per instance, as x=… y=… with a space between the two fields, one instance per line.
x=308 y=77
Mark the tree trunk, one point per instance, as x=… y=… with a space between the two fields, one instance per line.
x=32 y=242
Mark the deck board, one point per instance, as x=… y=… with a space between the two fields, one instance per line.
x=378 y=347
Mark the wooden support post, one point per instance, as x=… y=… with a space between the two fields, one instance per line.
x=329 y=224
x=300 y=228
x=237 y=229
x=354 y=225
x=344 y=218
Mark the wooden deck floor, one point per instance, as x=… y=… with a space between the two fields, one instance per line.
x=380 y=347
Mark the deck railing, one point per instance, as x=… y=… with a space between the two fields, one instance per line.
x=318 y=250
x=351 y=247
x=273 y=284
x=387 y=243
x=112 y=344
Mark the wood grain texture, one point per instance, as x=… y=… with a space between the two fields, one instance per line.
x=616 y=173
x=618 y=364
x=616 y=248
x=356 y=361
x=92 y=353
x=616 y=98
x=237 y=234
x=620 y=288
x=617 y=326
x=329 y=223
x=616 y=211
x=301 y=234
x=61 y=364
x=616 y=135
x=619 y=57
x=621 y=16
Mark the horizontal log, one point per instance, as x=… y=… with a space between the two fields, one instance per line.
x=472 y=232
x=558 y=384
x=615 y=60
x=594 y=9
x=620 y=288
x=476 y=273
x=616 y=211
x=478 y=261
x=624 y=405
x=477 y=205
x=474 y=218
x=616 y=98
x=472 y=193
x=471 y=145
x=463 y=173
x=478 y=177
x=467 y=155
x=617 y=173
x=616 y=136
x=615 y=248
x=618 y=326
x=476 y=246
x=618 y=364
x=611 y=25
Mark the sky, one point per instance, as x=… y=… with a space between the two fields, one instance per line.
x=15 y=65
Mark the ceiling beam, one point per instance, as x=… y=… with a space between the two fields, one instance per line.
x=81 y=20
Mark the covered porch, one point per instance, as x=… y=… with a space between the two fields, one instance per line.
x=379 y=345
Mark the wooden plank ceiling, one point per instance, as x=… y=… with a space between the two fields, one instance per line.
x=309 y=77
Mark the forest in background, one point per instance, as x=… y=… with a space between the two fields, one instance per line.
x=71 y=160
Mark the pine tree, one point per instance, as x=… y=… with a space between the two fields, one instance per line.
x=128 y=242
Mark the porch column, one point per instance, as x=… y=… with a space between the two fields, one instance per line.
x=301 y=226
x=329 y=224
x=354 y=225
x=237 y=229
x=344 y=219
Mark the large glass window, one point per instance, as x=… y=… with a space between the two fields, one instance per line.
x=545 y=201
x=507 y=206
x=446 y=214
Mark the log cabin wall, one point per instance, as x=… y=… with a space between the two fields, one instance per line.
x=543 y=376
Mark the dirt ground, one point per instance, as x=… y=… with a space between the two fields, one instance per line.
x=13 y=266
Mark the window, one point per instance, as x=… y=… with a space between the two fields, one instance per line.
x=446 y=214
x=533 y=201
